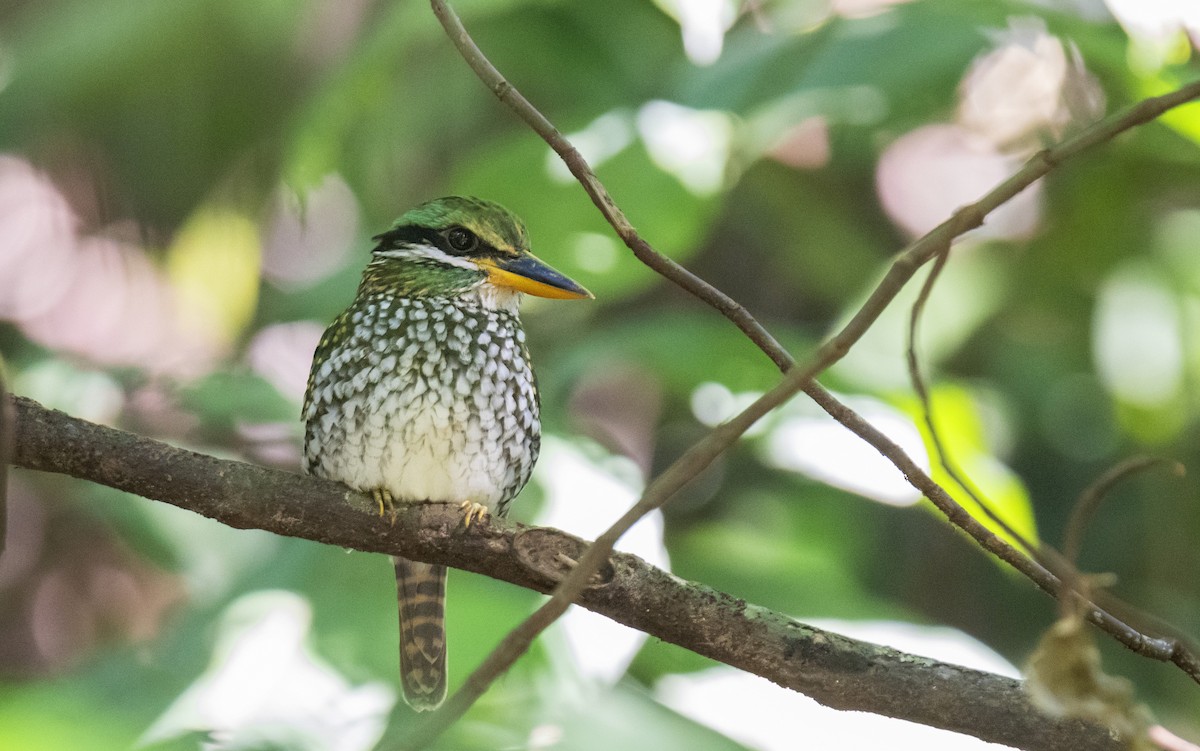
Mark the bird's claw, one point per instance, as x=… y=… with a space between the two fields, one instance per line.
x=383 y=497
x=473 y=512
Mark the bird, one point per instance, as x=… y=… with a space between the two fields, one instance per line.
x=422 y=391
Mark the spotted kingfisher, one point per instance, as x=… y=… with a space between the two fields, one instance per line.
x=422 y=391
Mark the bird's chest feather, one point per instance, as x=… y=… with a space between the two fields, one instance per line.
x=430 y=400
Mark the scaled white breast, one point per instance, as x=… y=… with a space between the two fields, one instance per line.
x=441 y=407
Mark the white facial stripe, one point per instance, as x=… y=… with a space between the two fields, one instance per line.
x=430 y=252
x=496 y=298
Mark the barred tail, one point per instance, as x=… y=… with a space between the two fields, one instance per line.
x=421 y=593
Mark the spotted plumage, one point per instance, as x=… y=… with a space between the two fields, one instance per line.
x=427 y=399
x=422 y=390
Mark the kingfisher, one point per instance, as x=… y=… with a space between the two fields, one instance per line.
x=422 y=391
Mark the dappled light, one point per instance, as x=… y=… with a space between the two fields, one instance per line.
x=311 y=236
x=68 y=586
x=927 y=174
x=595 y=252
x=1162 y=29
x=1138 y=339
x=691 y=145
x=818 y=447
x=753 y=712
x=714 y=403
x=266 y=686
x=189 y=194
x=805 y=145
x=1031 y=87
x=38 y=231
x=281 y=353
x=214 y=264
x=87 y=295
x=584 y=490
x=703 y=24
x=602 y=139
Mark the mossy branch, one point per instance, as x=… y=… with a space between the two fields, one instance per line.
x=835 y=670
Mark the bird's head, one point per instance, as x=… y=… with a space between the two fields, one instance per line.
x=463 y=247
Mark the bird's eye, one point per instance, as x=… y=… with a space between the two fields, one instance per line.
x=461 y=239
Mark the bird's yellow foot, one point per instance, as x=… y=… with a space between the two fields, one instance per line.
x=383 y=497
x=473 y=512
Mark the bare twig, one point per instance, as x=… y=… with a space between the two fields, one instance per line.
x=796 y=379
x=1167 y=649
x=1064 y=564
x=1060 y=567
x=935 y=436
x=1089 y=500
x=836 y=671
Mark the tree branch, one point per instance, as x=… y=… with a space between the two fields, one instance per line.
x=937 y=241
x=835 y=670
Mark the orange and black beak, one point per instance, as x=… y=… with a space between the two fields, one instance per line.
x=529 y=274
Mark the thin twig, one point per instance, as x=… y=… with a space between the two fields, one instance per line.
x=1089 y=500
x=1064 y=565
x=1059 y=566
x=796 y=379
x=927 y=413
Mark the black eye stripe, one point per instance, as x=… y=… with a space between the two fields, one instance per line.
x=408 y=235
x=414 y=235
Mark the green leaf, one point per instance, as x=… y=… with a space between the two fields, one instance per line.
x=226 y=399
x=960 y=429
x=31 y=719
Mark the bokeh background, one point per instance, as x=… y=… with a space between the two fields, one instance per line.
x=187 y=196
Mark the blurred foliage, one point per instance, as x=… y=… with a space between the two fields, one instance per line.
x=173 y=128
